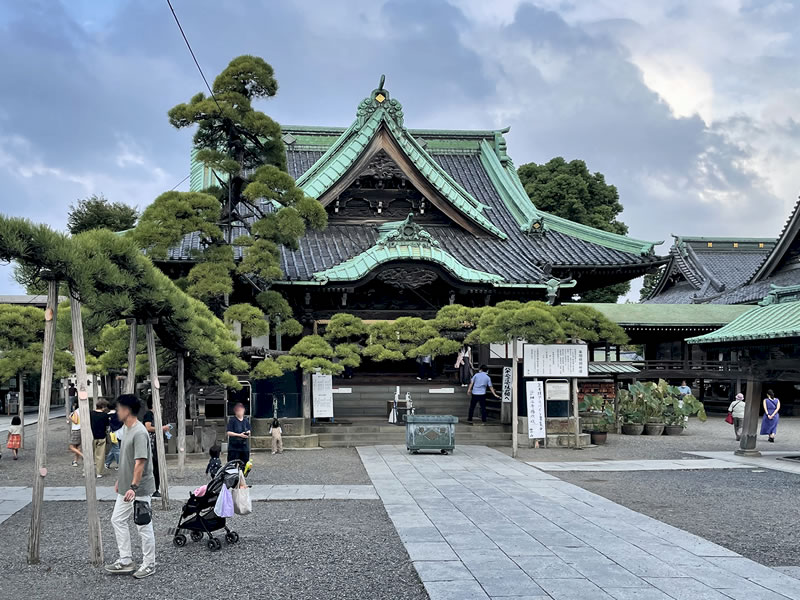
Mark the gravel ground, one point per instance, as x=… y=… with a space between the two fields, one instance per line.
x=315 y=549
x=715 y=434
x=744 y=510
x=331 y=466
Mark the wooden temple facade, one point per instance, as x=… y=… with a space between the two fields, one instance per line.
x=419 y=219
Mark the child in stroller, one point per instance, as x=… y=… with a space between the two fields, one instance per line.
x=198 y=516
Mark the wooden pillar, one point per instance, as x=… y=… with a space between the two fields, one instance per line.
x=45 y=389
x=130 y=381
x=87 y=440
x=575 y=411
x=21 y=407
x=514 y=398
x=181 y=416
x=155 y=386
x=752 y=405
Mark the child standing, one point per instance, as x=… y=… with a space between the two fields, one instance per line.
x=14 y=436
x=276 y=431
x=214 y=463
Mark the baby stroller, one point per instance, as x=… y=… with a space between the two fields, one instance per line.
x=198 y=516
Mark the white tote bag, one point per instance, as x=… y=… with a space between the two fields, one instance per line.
x=242 y=505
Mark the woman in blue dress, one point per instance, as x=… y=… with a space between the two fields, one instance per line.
x=769 y=424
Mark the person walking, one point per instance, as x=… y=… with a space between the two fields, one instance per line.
x=150 y=425
x=464 y=366
x=276 y=431
x=238 y=433
x=14 y=440
x=99 y=422
x=74 y=420
x=736 y=409
x=769 y=424
x=135 y=487
x=114 y=437
x=481 y=382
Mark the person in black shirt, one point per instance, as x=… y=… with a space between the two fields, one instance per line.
x=150 y=424
x=99 y=424
x=214 y=463
x=115 y=428
x=238 y=435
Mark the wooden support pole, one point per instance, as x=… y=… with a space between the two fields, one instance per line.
x=87 y=440
x=181 y=415
x=95 y=390
x=752 y=406
x=45 y=389
x=514 y=398
x=21 y=407
x=130 y=381
x=157 y=422
x=575 y=412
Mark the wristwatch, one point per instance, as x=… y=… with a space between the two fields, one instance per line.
x=134 y=487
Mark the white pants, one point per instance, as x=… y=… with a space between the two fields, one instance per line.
x=123 y=511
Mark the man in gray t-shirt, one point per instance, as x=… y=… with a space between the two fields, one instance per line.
x=134 y=488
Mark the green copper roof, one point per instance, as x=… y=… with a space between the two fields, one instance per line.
x=777 y=316
x=670 y=315
x=403 y=240
x=373 y=113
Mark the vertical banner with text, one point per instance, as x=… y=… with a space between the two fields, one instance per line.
x=507 y=384
x=322 y=393
x=536 y=417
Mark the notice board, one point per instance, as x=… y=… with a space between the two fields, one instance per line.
x=322 y=392
x=555 y=360
x=536 y=417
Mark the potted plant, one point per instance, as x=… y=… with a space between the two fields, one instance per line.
x=630 y=409
x=678 y=409
x=653 y=406
x=607 y=419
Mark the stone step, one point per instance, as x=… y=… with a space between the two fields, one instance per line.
x=400 y=436
x=349 y=443
x=289 y=441
x=385 y=428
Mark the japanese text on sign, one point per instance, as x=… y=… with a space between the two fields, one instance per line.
x=536 y=418
x=556 y=360
x=506 y=393
x=322 y=388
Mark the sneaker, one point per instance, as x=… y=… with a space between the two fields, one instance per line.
x=99 y=476
x=144 y=571
x=120 y=568
x=74 y=463
x=419 y=378
x=156 y=494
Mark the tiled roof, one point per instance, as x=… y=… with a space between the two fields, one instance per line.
x=471 y=170
x=675 y=315
x=774 y=318
x=701 y=269
x=611 y=368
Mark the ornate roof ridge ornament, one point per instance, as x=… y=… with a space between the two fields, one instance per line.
x=405 y=232
x=379 y=98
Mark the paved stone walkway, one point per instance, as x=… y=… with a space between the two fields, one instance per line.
x=31 y=418
x=13 y=499
x=769 y=459
x=479 y=525
x=641 y=465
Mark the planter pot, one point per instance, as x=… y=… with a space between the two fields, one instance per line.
x=654 y=429
x=599 y=437
x=632 y=429
x=673 y=429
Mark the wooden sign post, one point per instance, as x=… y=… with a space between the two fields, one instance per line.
x=87 y=440
x=157 y=422
x=21 y=407
x=45 y=389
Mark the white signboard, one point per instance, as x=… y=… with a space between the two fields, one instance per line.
x=557 y=390
x=507 y=378
x=322 y=390
x=442 y=391
x=536 y=419
x=556 y=360
x=505 y=351
x=342 y=390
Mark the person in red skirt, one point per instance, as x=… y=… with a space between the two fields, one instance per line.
x=14 y=436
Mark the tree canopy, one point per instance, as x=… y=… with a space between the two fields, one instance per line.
x=96 y=212
x=22 y=340
x=571 y=191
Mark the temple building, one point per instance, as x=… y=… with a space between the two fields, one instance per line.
x=419 y=219
x=729 y=270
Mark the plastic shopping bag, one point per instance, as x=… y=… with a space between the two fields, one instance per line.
x=241 y=497
x=224 y=505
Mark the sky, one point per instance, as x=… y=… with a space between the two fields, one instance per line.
x=691 y=108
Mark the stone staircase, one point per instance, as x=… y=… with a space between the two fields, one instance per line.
x=368 y=432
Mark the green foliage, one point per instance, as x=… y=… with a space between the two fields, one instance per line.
x=587 y=324
x=348 y=355
x=569 y=190
x=344 y=326
x=649 y=402
x=96 y=212
x=437 y=346
x=399 y=339
x=456 y=316
x=21 y=342
x=251 y=318
x=649 y=284
x=172 y=216
x=209 y=281
x=311 y=354
x=532 y=322
x=266 y=369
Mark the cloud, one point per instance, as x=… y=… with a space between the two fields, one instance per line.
x=691 y=109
